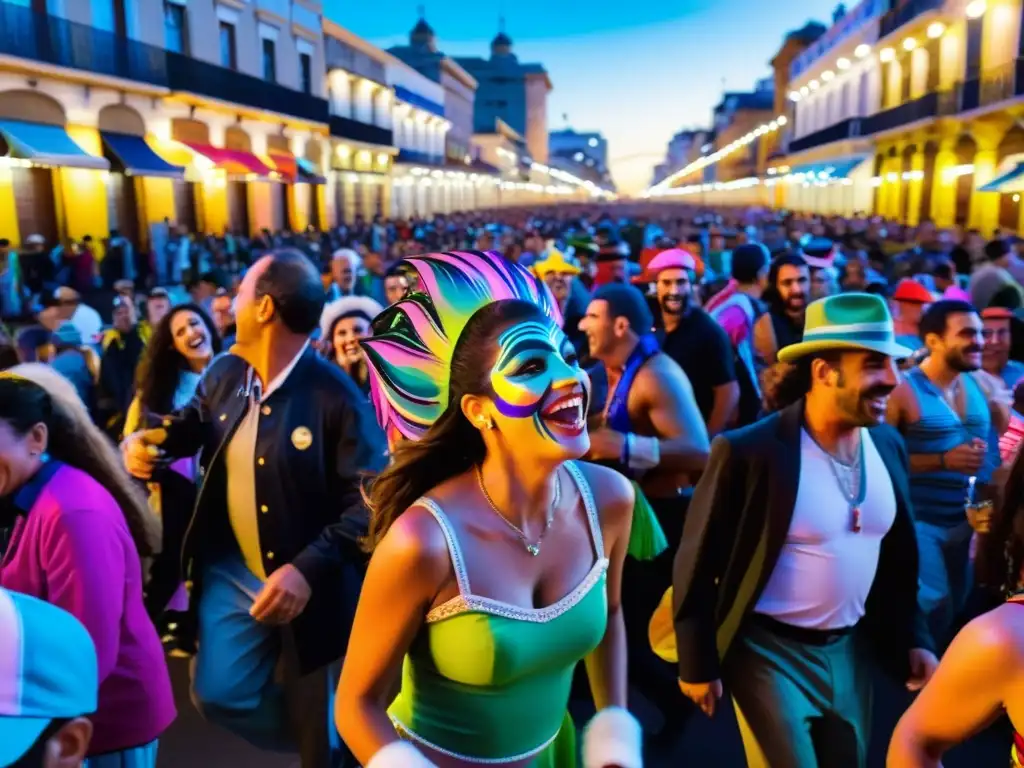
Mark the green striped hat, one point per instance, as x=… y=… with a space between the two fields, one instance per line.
x=847 y=321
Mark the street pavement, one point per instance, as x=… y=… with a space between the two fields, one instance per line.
x=192 y=743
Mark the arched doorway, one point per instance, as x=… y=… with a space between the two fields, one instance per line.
x=281 y=205
x=1009 y=202
x=237 y=139
x=122 y=196
x=966 y=149
x=931 y=151
x=906 y=165
x=35 y=201
x=192 y=132
x=315 y=151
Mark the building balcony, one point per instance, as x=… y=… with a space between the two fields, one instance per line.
x=347 y=128
x=850 y=128
x=414 y=157
x=921 y=108
x=56 y=41
x=904 y=14
x=990 y=87
x=204 y=79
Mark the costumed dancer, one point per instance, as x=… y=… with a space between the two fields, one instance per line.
x=494 y=568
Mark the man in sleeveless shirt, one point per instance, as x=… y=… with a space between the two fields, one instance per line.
x=789 y=281
x=648 y=426
x=946 y=417
x=797 y=568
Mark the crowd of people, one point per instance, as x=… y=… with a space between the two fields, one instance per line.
x=387 y=484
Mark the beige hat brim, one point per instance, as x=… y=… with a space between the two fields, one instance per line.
x=794 y=352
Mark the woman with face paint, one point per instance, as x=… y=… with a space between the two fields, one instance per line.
x=494 y=570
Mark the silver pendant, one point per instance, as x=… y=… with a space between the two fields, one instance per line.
x=533 y=549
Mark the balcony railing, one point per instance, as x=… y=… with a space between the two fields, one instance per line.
x=909 y=112
x=412 y=157
x=205 y=79
x=850 y=128
x=346 y=128
x=904 y=14
x=59 y=42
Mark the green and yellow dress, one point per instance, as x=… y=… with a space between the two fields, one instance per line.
x=487 y=682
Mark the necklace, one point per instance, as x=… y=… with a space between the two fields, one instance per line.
x=850 y=480
x=532 y=548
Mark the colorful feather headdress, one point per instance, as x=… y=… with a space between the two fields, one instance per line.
x=411 y=349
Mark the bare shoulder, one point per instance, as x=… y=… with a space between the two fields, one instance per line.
x=415 y=544
x=996 y=636
x=612 y=492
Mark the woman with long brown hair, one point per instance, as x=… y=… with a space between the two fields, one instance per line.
x=495 y=568
x=73 y=527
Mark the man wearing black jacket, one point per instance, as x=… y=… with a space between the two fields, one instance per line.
x=797 y=570
x=271 y=551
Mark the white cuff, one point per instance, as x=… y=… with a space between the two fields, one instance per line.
x=401 y=754
x=644 y=452
x=613 y=737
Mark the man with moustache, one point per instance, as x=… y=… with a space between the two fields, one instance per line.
x=650 y=428
x=998 y=336
x=782 y=325
x=797 y=569
x=945 y=418
x=697 y=343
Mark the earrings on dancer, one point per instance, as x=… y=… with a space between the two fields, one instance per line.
x=45 y=457
x=485 y=423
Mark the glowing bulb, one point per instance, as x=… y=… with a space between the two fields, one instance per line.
x=843 y=63
x=814 y=84
x=909 y=44
x=887 y=54
x=804 y=91
x=862 y=50
x=781 y=120
x=794 y=95
x=976 y=9
x=827 y=75
x=935 y=29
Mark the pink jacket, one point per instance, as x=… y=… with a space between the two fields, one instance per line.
x=72 y=548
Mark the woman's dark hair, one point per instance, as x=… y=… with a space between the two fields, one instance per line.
x=294 y=284
x=160 y=368
x=361 y=372
x=33 y=394
x=452 y=445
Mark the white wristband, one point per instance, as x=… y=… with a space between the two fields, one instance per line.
x=401 y=754
x=613 y=737
x=644 y=452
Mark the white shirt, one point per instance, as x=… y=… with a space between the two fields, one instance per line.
x=826 y=570
x=88 y=322
x=240 y=459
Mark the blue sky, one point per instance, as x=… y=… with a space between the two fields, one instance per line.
x=636 y=71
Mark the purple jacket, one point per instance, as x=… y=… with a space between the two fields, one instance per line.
x=72 y=548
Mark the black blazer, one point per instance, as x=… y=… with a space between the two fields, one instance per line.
x=736 y=527
x=317 y=440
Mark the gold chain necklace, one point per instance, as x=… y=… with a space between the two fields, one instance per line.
x=532 y=548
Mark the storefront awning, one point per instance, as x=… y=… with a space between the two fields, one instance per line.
x=307 y=172
x=1010 y=180
x=47 y=145
x=132 y=156
x=233 y=161
x=836 y=168
x=285 y=165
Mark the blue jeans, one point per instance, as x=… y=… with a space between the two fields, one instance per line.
x=137 y=757
x=244 y=677
x=945 y=574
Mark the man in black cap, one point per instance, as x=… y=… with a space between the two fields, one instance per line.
x=649 y=427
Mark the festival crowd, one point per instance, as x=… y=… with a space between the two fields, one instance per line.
x=386 y=485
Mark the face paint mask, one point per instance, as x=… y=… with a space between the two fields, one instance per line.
x=534 y=358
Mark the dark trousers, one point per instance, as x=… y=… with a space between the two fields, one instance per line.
x=800 y=704
x=643 y=585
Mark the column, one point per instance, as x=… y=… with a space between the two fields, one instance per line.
x=83 y=193
x=914 y=186
x=944 y=186
x=984 y=212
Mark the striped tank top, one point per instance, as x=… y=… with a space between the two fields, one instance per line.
x=939 y=496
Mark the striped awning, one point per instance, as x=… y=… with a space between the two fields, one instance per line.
x=1010 y=180
x=308 y=172
x=836 y=168
x=233 y=161
x=132 y=156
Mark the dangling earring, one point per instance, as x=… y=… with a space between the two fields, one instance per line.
x=486 y=424
x=45 y=457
